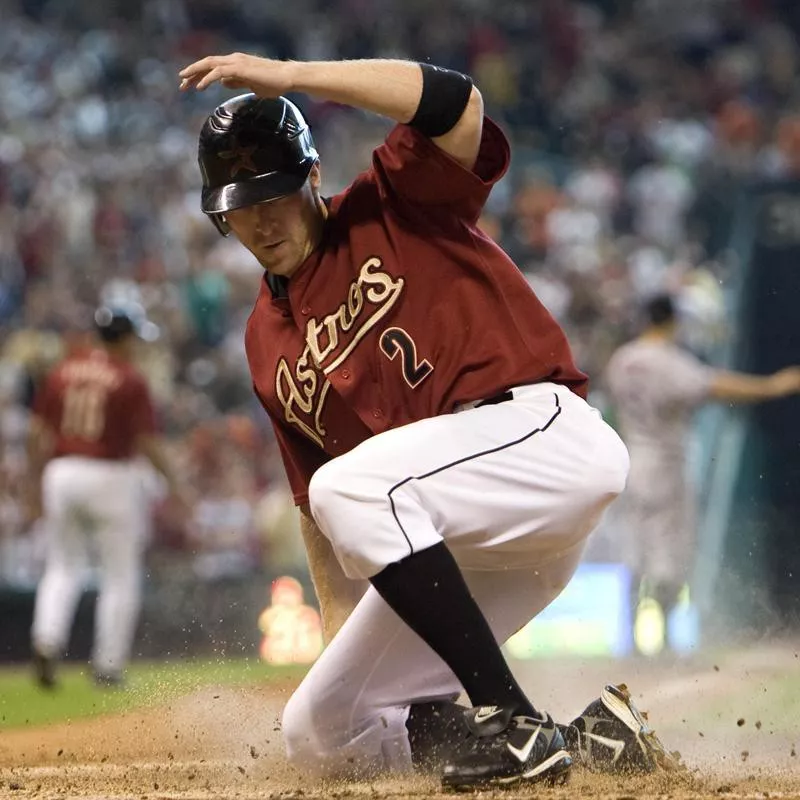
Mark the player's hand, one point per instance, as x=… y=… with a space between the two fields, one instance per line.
x=263 y=76
x=786 y=381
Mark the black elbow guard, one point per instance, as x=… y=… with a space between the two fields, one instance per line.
x=445 y=94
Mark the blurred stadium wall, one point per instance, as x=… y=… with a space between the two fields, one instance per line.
x=750 y=550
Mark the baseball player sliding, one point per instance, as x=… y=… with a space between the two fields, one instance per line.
x=656 y=386
x=431 y=420
x=92 y=415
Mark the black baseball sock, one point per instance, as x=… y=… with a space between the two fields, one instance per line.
x=428 y=592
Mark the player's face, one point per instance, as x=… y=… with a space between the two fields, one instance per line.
x=282 y=233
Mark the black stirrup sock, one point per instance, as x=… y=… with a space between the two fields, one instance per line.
x=428 y=592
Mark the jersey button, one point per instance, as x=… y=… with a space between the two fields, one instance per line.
x=377 y=413
x=346 y=374
x=305 y=310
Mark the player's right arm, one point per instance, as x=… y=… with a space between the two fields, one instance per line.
x=739 y=387
x=337 y=594
x=392 y=88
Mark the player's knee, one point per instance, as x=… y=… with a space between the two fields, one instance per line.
x=608 y=484
x=334 y=490
x=327 y=489
x=610 y=471
x=617 y=475
x=604 y=486
x=601 y=480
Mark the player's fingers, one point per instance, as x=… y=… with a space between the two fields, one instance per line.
x=193 y=80
x=200 y=67
x=216 y=74
x=188 y=83
x=191 y=75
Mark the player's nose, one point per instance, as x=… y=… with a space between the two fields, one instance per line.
x=266 y=220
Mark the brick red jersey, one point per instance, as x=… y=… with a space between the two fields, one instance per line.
x=405 y=310
x=96 y=406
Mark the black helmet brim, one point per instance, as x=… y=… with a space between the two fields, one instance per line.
x=259 y=189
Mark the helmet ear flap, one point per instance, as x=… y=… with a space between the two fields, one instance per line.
x=220 y=224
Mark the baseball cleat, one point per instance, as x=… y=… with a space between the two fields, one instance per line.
x=612 y=735
x=506 y=750
x=108 y=680
x=437 y=733
x=44 y=670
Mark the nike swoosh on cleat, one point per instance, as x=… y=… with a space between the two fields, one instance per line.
x=617 y=745
x=523 y=753
x=486 y=712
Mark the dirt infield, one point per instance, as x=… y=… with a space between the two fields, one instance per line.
x=733 y=716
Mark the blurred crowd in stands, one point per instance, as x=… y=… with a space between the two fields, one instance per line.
x=632 y=124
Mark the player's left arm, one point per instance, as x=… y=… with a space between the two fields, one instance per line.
x=337 y=594
x=739 y=387
x=139 y=413
x=441 y=104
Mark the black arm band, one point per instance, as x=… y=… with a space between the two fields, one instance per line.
x=445 y=95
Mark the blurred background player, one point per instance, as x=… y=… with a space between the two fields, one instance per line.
x=92 y=416
x=656 y=385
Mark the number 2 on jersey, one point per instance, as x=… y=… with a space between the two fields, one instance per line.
x=396 y=340
x=84 y=412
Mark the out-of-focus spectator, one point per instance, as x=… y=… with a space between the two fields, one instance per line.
x=536 y=199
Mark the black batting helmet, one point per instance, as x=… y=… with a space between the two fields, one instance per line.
x=251 y=150
x=114 y=324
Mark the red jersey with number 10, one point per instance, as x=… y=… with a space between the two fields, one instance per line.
x=405 y=310
x=96 y=406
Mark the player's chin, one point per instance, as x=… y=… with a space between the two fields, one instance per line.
x=280 y=263
x=269 y=264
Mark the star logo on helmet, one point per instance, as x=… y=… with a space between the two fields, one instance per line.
x=245 y=156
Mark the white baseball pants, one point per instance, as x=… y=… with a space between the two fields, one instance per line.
x=93 y=509
x=514 y=489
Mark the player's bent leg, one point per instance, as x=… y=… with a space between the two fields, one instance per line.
x=347 y=717
x=350 y=715
x=518 y=481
